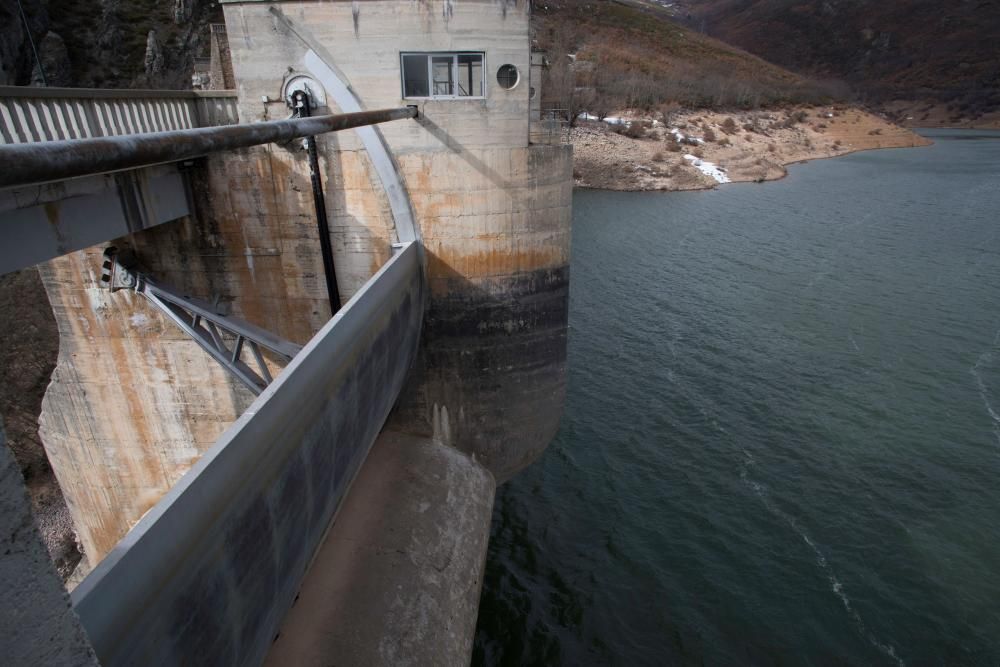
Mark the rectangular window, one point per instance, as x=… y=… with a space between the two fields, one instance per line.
x=443 y=74
x=415 y=81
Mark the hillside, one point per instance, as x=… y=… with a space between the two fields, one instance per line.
x=936 y=52
x=609 y=55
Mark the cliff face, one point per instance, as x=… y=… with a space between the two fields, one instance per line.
x=16 y=58
x=105 y=43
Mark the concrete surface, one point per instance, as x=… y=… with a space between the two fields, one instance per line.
x=397 y=579
x=134 y=404
x=208 y=574
x=38 y=623
x=492 y=209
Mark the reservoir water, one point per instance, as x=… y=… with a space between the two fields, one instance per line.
x=781 y=443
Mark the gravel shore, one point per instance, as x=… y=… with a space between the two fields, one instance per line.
x=718 y=147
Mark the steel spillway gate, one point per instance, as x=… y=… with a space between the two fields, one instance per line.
x=211 y=570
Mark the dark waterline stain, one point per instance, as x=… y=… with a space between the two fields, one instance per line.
x=782 y=432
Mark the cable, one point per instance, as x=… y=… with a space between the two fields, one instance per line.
x=31 y=40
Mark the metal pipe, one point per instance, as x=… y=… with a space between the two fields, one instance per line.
x=27 y=164
x=303 y=104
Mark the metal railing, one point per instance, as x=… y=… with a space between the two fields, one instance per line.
x=43 y=161
x=30 y=114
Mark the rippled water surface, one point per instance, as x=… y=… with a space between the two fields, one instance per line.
x=781 y=443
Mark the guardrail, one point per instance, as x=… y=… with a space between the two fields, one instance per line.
x=42 y=161
x=208 y=574
x=29 y=114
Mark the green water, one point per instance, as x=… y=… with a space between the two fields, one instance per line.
x=781 y=443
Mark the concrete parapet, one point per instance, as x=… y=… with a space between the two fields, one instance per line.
x=39 y=626
x=397 y=579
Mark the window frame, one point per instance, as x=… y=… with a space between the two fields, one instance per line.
x=430 y=56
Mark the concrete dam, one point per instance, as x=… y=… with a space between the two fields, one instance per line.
x=307 y=325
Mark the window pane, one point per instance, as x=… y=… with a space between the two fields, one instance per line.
x=415 y=82
x=442 y=72
x=470 y=75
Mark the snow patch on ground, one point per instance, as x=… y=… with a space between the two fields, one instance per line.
x=613 y=120
x=681 y=137
x=610 y=120
x=708 y=168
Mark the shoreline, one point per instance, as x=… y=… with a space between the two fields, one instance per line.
x=699 y=150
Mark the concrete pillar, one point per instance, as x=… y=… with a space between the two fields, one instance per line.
x=493 y=211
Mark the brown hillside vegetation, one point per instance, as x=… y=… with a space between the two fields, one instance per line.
x=608 y=55
x=946 y=52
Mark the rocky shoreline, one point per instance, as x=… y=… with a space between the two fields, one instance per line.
x=697 y=150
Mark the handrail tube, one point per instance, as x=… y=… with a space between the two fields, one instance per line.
x=40 y=162
x=34 y=92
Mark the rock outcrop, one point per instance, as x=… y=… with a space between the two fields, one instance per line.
x=154 y=56
x=53 y=66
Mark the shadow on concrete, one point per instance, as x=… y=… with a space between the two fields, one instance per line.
x=454 y=146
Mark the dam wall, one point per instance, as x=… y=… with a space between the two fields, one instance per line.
x=209 y=573
x=206 y=512
x=491 y=209
x=134 y=403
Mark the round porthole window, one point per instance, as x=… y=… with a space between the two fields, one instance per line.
x=508 y=76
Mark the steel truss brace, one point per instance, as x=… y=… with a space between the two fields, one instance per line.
x=224 y=337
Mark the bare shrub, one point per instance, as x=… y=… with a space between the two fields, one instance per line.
x=658 y=156
x=669 y=111
x=729 y=126
x=709 y=134
x=724 y=141
x=633 y=130
x=771 y=148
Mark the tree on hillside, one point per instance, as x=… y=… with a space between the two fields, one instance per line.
x=561 y=82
